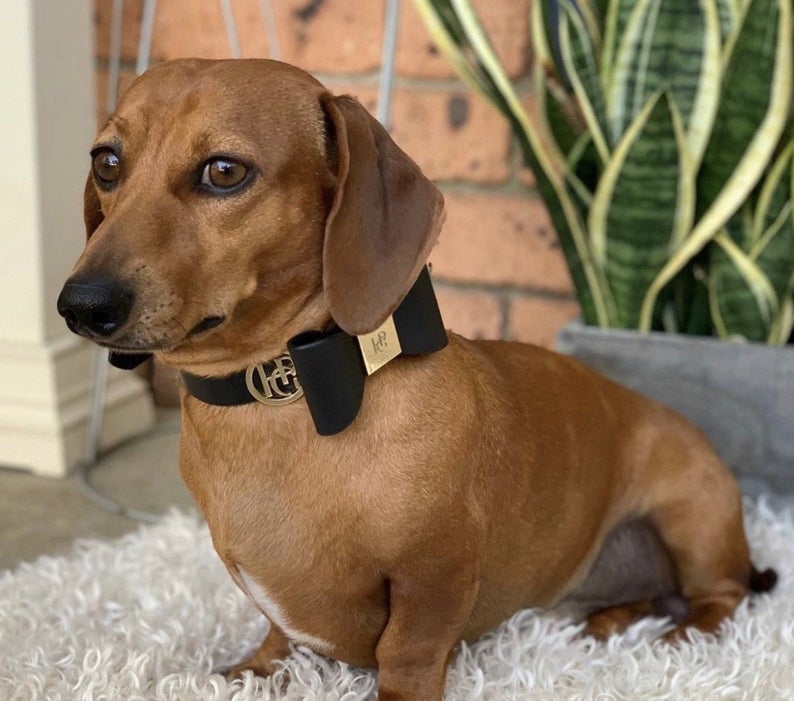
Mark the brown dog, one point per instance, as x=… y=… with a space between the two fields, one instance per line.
x=234 y=204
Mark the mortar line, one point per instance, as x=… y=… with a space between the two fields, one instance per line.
x=501 y=288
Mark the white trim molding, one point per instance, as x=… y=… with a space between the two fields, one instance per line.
x=46 y=126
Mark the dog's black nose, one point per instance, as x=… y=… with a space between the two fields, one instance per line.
x=96 y=307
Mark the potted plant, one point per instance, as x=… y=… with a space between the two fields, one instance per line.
x=661 y=136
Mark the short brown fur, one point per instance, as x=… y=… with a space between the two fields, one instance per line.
x=476 y=481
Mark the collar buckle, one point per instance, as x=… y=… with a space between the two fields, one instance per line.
x=278 y=381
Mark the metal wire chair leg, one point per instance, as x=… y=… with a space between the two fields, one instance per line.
x=231 y=28
x=98 y=393
x=114 y=69
x=101 y=368
x=147 y=30
x=386 y=84
x=270 y=29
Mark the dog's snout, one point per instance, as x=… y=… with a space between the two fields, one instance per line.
x=98 y=307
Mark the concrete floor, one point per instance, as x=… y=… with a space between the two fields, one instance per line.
x=40 y=515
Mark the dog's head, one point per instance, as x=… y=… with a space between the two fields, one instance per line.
x=233 y=204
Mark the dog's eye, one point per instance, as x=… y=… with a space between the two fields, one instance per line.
x=107 y=168
x=223 y=174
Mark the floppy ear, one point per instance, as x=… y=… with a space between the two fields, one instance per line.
x=385 y=218
x=92 y=209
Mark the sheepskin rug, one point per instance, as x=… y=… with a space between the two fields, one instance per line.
x=148 y=617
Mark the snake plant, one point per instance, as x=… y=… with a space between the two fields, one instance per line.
x=660 y=134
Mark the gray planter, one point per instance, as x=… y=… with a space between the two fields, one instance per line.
x=740 y=394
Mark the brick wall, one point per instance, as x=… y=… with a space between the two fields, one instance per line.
x=498 y=267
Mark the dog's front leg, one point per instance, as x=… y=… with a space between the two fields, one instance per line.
x=428 y=613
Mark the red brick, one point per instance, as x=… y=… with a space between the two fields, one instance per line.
x=501 y=240
x=366 y=94
x=196 y=28
x=505 y=21
x=471 y=313
x=323 y=37
x=185 y=28
x=181 y=28
x=131 y=14
x=537 y=320
x=342 y=36
x=452 y=135
x=525 y=174
x=337 y=37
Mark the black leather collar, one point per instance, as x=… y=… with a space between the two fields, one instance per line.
x=328 y=366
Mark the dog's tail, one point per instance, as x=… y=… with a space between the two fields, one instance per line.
x=762 y=581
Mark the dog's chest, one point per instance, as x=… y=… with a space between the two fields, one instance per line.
x=306 y=581
x=276 y=612
x=295 y=542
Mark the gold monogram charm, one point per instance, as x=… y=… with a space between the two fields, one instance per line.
x=278 y=381
x=380 y=346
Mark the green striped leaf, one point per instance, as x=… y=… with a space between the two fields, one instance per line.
x=671 y=45
x=457 y=31
x=602 y=7
x=634 y=215
x=584 y=165
x=591 y=287
x=743 y=302
x=589 y=13
x=783 y=326
x=541 y=24
x=773 y=236
x=773 y=197
x=728 y=11
x=559 y=106
x=753 y=106
x=752 y=273
x=751 y=115
x=735 y=263
x=617 y=17
x=580 y=63
x=689 y=294
x=563 y=133
x=447 y=33
x=618 y=80
x=699 y=121
x=566 y=207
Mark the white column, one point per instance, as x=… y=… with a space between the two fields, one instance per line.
x=47 y=121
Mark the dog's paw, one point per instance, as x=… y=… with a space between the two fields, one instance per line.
x=258 y=669
x=600 y=627
x=607 y=622
x=263 y=662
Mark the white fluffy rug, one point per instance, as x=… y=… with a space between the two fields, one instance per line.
x=149 y=616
